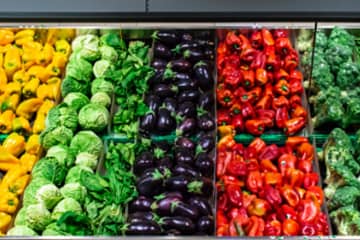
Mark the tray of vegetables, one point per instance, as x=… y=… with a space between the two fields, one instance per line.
x=269 y=190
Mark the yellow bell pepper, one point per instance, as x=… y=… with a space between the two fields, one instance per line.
x=52 y=71
x=5 y=221
x=37 y=71
x=6 y=37
x=32 y=46
x=45 y=107
x=39 y=123
x=28 y=161
x=11 y=176
x=8 y=202
x=24 y=36
x=21 y=125
x=18 y=186
x=59 y=60
x=20 y=76
x=63 y=47
x=6 y=119
x=28 y=107
x=14 y=144
x=11 y=102
x=12 y=61
x=30 y=88
x=7 y=160
x=46 y=55
x=49 y=91
x=13 y=88
x=60 y=34
x=33 y=145
x=1 y=58
x=3 y=79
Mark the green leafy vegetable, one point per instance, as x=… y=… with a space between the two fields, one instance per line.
x=76 y=100
x=94 y=117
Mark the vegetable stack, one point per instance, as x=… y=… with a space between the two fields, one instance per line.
x=268 y=190
x=174 y=187
x=335 y=80
x=341 y=159
x=259 y=85
x=32 y=63
x=180 y=96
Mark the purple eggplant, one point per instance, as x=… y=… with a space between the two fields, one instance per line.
x=165 y=122
x=150 y=184
x=204 y=76
x=178 y=183
x=141 y=204
x=180 y=65
x=164 y=163
x=153 y=102
x=173 y=194
x=167 y=37
x=204 y=164
x=201 y=204
x=148 y=122
x=144 y=161
x=141 y=216
x=165 y=90
x=159 y=146
x=162 y=51
x=183 y=46
x=184 y=142
x=183 y=224
x=187 y=127
x=164 y=204
x=187 y=109
x=188 y=95
x=201 y=186
x=209 y=53
x=157 y=77
x=179 y=208
x=193 y=55
x=206 y=101
x=184 y=169
x=159 y=63
x=206 y=122
x=186 y=37
x=143 y=228
x=186 y=84
x=205 y=225
x=175 y=76
x=205 y=144
x=170 y=104
x=183 y=155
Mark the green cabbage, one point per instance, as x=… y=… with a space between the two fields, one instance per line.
x=76 y=100
x=94 y=117
x=49 y=195
x=85 y=31
x=87 y=141
x=75 y=191
x=101 y=98
x=101 y=85
x=79 y=69
x=21 y=231
x=62 y=115
x=87 y=159
x=113 y=40
x=20 y=217
x=87 y=47
x=65 y=205
x=37 y=217
x=102 y=67
x=55 y=136
x=71 y=85
x=53 y=230
x=108 y=53
x=31 y=189
x=50 y=169
x=63 y=154
x=74 y=174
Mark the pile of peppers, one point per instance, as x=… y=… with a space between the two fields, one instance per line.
x=259 y=84
x=268 y=190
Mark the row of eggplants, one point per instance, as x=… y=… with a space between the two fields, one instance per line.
x=180 y=96
x=175 y=185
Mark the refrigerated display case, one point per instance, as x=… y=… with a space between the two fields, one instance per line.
x=125 y=120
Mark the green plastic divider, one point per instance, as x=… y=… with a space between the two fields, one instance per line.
x=268 y=138
x=3 y=137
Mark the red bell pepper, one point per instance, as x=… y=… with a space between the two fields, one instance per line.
x=283 y=46
x=267 y=166
x=258 y=144
x=230 y=180
x=273 y=228
x=294 y=125
x=286 y=161
x=272 y=195
x=296 y=87
x=252 y=164
x=305 y=166
x=249 y=153
x=291 y=61
x=223 y=200
x=270 y=152
x=256 y=39
x=247 y=111
x=282 y=87
x=306 y=151
x=232 y=76
x=223 y=231
x=280 y=33
x=290 y=195
x=261 y=76
x=299 y=111
x=310 y=179
x=295 y=75
x=224 y=96
x=223 y=117
x=279 y=102
x=290 y=227
x=256 y=93
x=255 y=227
x=272 y=178
x=308 y=229
x=237 y=166
x=247 y=198
x=258 y=207
x=301 y=192
x=281 y=117
x=264 y=102
x=223 y=159
x=295 y=141
x=281 y=74
x=221 y=219
x=248 y=78
x=233 y=40
x=286 y=212
x=308 y=211
x=259 y=61
x=238 y=148
x=238 y=123
x=235 y=109
x=222 y=49
x=237 y=211
x=268 y=113
x=295 y=100
x=268 y=122
x=294 y=177
x=272 y=63
x=255 y=126
x=236 y=225
x=248 y=54
x=234 y=194
x=254 y=181
x=268 y=90
x=315 y=193
x=267 y=37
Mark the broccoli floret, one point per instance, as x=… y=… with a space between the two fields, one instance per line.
x=338 y=137
x=341 y=155
x=321 y=74
x=321 y=41
x=344 y=196
x=340 y=36
x=357 y=143
x=338 y=54
x=331 y=110
x=347 y=220
x=352 y=114
x=348 y=76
